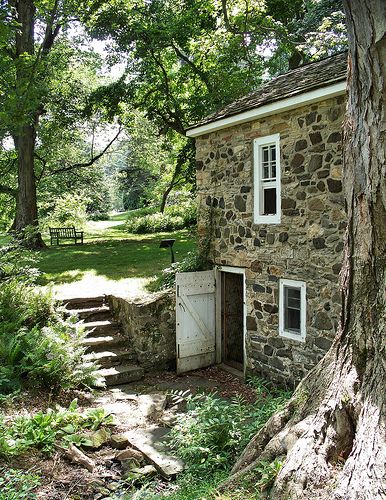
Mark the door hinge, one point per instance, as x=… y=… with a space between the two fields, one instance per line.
x=178 y=290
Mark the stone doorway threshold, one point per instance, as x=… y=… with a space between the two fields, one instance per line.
x=232 y=370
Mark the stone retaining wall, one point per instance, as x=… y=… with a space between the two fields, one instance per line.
x=150 y=326
x=306 y=245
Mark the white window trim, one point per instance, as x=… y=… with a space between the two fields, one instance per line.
x=303 y=309
x=257 y=166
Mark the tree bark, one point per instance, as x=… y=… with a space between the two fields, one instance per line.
x=331 y=437
x=25 y=135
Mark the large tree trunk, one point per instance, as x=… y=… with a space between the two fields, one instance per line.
x=26 y=206
x=25 y=137
x=331 y=437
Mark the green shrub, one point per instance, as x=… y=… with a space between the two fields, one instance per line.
x=167 y=279
x=17 y=262
x=69 y=210
x=37 y=346
x=214 y=431
x=174 y=218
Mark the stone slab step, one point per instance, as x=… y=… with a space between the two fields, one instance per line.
x=104 y=327
x=110 y=358
x=84 y=302
x=103 y=343
x=90 y=312
x=122 y=374
x=150 y=443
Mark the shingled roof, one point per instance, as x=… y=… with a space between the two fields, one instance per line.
x=309 y=77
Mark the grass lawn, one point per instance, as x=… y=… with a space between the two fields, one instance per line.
x=111 y=260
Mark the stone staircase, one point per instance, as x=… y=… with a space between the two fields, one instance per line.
x=105 y=344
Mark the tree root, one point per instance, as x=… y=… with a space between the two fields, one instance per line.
x=334 y=446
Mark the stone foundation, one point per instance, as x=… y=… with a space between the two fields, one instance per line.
x=150 y=326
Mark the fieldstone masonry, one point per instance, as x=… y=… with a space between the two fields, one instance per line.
x=150 y=326
x=306 y=245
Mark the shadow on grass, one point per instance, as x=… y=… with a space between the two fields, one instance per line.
x=114 y=259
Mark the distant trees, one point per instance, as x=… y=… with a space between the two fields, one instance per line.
x=45 y=80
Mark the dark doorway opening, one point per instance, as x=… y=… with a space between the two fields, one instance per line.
x=232 y=319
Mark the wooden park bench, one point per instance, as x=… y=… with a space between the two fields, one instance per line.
x=65 y=233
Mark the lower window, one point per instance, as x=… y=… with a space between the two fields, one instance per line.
x=292 y=309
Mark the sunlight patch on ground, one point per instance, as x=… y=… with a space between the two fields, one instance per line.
x=92 y=285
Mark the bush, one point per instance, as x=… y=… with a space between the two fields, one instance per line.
x=37 y=346
x=69 y=210
x=17 y=262
x=174 y=218
x=214 y=431
x=167 y=279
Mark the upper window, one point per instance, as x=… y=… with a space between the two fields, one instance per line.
x=266 y=153
x=292 y=309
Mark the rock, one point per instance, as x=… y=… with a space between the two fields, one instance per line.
x=129 y=453
x=152 y=405
x=97 y=439
x=140 y=473
x=78 y=457
x=119 y=441
x=129 y=464
x=150 y=444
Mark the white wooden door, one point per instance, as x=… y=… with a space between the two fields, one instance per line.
x=195 y=320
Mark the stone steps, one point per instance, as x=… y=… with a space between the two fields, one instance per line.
x=122 y=374
x=84 y=302
x=92 y=313
x=112 y=357
x=104 y=342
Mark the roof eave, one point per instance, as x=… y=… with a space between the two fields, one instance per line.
x=301 y=99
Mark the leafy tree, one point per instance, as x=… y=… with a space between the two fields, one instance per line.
x=40 y=84
x=332 y=433
x=186 y=58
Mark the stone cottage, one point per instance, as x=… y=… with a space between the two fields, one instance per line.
x=272 y=219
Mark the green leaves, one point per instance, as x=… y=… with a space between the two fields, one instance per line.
x=213 y=431
x=45 y=430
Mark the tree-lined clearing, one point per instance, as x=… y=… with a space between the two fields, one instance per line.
x=75 y=144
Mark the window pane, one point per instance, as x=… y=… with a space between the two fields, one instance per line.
x=292 y=320
x=269 y=199
x=265 y=172
x=292 y=306
x=265 y=154
x=293 y=298
x=273 y=153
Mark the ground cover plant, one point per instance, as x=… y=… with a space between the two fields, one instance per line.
x=212 y=433
x=47 y=430
x=17 y=485
x=38 y=346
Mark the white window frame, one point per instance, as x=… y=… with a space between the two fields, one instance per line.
x=258 y=144
x=300 y=285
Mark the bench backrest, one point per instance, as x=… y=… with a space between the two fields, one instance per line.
x=63 y=232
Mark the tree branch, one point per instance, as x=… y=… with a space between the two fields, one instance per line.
x=195 y=69
x=51 y=33
x=88 y=163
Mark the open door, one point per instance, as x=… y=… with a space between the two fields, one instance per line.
x=195 y=320
x=232 y=319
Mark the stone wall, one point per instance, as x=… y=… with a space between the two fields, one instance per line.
x=150 y=326
x=306 y=245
